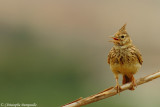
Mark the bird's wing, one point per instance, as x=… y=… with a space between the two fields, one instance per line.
x=139 y=56
x=109 y=55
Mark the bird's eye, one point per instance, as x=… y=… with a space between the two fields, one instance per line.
x=122 y=36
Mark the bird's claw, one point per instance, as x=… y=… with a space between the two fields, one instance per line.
x=134 y=83
x=118 y=88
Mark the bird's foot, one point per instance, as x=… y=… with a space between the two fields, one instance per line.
x=118 y=88
x=132 y=88
x=134 y=84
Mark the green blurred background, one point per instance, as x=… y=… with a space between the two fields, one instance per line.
x=55 y=51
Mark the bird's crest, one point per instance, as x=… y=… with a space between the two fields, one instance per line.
x=123 y=28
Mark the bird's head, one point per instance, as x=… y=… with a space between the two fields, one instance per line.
x=121 y=37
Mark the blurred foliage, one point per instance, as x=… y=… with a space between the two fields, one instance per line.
x=32 y=74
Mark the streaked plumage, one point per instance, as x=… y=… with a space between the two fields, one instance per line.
x=124 y=58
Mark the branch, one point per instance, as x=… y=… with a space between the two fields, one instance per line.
x=110 y=92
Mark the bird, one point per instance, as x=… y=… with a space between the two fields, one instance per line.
x=124 y=58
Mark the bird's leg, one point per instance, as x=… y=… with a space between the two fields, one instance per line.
x=134 y=81
x=117 y=85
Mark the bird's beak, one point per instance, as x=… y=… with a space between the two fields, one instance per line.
x=114 y=39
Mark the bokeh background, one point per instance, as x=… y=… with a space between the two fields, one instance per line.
x=55 y=51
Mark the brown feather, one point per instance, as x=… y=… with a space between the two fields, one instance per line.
x=124 y=58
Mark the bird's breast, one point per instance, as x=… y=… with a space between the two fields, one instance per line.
x=123 y=56
x=125 y=68
x=124 y=61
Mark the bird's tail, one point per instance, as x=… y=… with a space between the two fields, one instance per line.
x=127 y=79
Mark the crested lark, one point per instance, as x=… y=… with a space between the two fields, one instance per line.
x=124 y=58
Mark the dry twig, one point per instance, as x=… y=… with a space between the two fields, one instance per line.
x=110 y=92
